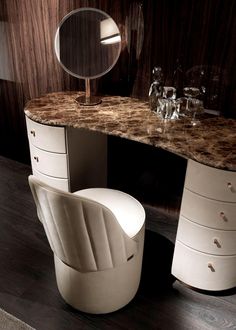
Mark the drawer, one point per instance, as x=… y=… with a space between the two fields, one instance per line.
x=49 y=163
x=49 y=138
x=208 y=212
x=58 y=183
x=207 y=240
x=211 y=182
x=203 y=271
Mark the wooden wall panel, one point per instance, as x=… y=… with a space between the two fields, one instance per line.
x=197 y=32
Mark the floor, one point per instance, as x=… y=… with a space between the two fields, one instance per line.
x=27 y=281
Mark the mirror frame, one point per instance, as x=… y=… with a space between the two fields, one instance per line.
x=56 y=43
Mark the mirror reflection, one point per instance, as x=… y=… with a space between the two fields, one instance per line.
x=87 y=43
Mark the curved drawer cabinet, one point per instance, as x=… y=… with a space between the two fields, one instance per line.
x=46 y=137
x=208 y=212
x=202 y=270
x=68 y=151
x=211 y=182
x=67 y=158
x=59 y=183
x=205 y=251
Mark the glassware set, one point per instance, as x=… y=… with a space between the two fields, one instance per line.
x=164 y=102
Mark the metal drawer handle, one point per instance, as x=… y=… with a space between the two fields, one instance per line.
x=211 y=267
x=223 y=216
x=230 y=186
x=36 y=158
x=216 y=242
x=32 y=132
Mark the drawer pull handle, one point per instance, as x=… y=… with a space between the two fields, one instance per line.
x=33 y=133
x=36 y=158
x=223 y=217
x=211 y=267
x=216 y=242
x=230 y=186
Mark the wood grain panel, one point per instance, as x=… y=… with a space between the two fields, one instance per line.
x=197 y=33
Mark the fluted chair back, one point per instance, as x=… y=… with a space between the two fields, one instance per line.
x=83 y=233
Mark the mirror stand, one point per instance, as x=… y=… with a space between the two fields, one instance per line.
x=88 y=99
x=87 y=46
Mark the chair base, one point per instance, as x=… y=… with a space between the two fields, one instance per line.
x=104 y=291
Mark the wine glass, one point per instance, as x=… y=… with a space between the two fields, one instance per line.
x=167 y=103
x=196 y=108
x=169 y=92
x=190 y=92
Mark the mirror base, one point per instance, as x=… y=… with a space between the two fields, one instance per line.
x=88 y=101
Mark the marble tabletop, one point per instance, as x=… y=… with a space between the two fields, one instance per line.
x=213 y=142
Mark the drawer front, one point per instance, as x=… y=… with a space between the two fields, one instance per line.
x=58 y=183
x=203 y=271
x=207 y=240
x=49 y=138
x=208 y=212
x=49 y=163
x=211 y=182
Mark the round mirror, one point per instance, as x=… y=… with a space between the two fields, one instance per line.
x=87 y=44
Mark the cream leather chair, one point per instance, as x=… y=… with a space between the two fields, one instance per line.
x=97 y=238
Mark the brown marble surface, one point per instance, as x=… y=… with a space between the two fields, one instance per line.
x=213 y=142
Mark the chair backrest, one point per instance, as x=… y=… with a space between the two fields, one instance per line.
x=84 y=234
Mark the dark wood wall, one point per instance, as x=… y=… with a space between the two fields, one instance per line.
x=197 y=33
x=154 y=32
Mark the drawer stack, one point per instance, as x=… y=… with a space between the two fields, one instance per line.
x=67 y=158
x=205 y=250
x=48 y=152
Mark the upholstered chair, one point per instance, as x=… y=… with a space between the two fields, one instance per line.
x=97 y=238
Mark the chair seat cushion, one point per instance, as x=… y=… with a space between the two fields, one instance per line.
x=128 y=211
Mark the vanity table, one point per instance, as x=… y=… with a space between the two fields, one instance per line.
x=68 y=150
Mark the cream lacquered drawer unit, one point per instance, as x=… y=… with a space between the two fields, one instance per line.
x=205 y=251
x=67 y=158
x=208 y=212
x=202 y=270
x=48 y=153
x=211 y=182
x=49 y=138
x=59 y=183
x=49 y=163
x=205 y=239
